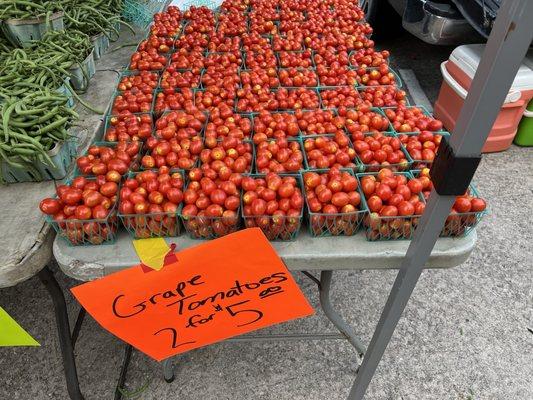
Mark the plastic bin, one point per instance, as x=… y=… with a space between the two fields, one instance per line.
x=21 y=31
x=458 y=73
x=62 y=155
x=81 y=74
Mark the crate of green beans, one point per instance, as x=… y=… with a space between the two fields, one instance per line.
x=22 y=27
x=35 y=143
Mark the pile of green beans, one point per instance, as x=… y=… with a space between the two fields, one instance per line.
x=5 y=45
x=73 y=45
x=32 y=125
x=94 y=17
x=21 y=72
x=28 y=9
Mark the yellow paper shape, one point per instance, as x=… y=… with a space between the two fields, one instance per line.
x=152 y=252
x=12 y=334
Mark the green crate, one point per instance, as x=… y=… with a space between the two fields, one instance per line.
x=389 y=228
x=62 y=156
x=88 y=232
x=127 y=72
x=20 y=32
x=80 y=75
x=118 y=93
x=340 y=224
x=141 y=12
x=276 y=228
x=142 y=226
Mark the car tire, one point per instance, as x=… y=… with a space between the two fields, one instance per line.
x=383 y=18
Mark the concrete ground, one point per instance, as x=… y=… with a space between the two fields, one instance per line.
x=464 y=334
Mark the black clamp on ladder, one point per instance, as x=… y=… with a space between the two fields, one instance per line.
x=450 y=174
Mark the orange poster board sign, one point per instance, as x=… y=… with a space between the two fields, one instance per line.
x=214 y=291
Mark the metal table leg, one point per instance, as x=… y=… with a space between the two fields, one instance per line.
x=333 y=316
x=123 y=371
x=69 y=364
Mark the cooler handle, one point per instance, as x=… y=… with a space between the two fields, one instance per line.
x=511 y=97
x=528 y=114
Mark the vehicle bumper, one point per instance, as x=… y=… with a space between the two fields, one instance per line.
x=437 y=26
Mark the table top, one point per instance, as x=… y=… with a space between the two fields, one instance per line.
x=86 y=263
x=26 y=238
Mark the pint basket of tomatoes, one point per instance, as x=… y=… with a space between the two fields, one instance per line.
x=150 y=201
x=412 y=119
x=139 y=81
x=110 y=159
x=379 y=150
x=422 y=147
x=273 y=202
x=334 y=202
x=211 y=201
x=466 y=211
x=84 y=211
x=329 y=151
x=128 y=126
x=394 y=204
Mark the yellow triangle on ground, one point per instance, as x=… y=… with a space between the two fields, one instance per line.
x=12 y=334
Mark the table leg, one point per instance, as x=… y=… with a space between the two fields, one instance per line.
x=69 y=363
x=168 y=370
x=123 y=371
x=333 y=316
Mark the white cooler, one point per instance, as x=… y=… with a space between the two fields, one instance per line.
x=458 y=73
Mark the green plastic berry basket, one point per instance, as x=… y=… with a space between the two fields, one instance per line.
x=141 y=12
x=339 y=224
x=355 y=160
x=204 y=227
x=460 y=224
x=289 y=139
x=87 y=232
x=108 y=125
x=388 y=228
x=277 y=227
x=162 y=224
x=425 y=112
x=323 y=89
x=405 y=166
x=419 y=164
x=133 y=166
